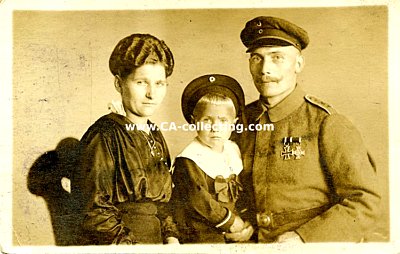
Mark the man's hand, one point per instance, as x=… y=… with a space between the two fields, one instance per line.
x=172 y=240
x=241 y=236
x=289 y=237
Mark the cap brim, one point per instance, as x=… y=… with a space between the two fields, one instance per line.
x=271 y=41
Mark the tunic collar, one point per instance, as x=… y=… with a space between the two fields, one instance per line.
x=284 y=108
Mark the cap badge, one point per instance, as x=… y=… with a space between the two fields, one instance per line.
x=211 y=79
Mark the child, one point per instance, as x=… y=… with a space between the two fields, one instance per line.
x=206 y=171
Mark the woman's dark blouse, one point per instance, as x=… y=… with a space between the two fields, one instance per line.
x=121 y=187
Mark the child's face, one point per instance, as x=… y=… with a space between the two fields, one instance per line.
x=220 y=119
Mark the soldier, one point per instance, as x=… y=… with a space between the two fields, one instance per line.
x=311 y=179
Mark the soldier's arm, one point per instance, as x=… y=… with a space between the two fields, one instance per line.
x=351 y=174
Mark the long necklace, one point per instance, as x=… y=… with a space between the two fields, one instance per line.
x=150 y=142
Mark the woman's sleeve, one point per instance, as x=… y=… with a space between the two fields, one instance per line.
x=190 y=182
x=102 y=220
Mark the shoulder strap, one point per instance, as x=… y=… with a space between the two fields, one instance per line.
x=319 y=103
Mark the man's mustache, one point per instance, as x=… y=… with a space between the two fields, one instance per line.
x=266 y=79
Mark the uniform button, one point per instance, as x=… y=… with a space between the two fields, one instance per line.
x=260 y=31
x=265 y=220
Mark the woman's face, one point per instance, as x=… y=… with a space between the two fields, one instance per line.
x=143 y=90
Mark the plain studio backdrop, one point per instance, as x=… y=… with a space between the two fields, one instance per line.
x=62 y=84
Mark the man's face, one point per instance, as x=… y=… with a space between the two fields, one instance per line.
x=274 y=70
x=143 y=90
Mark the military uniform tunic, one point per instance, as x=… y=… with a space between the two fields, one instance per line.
x=323 y=185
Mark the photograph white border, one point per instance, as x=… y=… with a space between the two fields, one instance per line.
x=6 y=127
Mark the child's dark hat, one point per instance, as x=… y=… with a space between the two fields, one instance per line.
x=211 y=83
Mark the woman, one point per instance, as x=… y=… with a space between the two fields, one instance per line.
x=124 y=182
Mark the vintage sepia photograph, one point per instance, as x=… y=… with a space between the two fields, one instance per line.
x=195 y=128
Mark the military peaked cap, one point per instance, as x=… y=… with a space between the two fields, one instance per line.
x=271 y=31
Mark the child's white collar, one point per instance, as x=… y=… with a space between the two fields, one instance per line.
x=212 y=163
